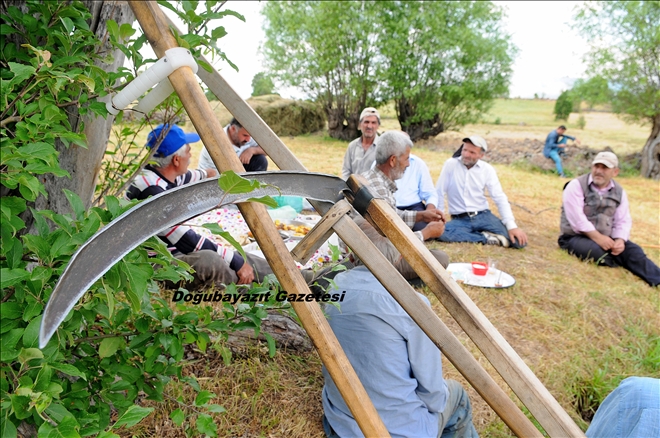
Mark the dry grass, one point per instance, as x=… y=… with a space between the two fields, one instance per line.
x=572 y=322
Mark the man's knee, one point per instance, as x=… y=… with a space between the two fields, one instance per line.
x=258 y=163
x=441 y=257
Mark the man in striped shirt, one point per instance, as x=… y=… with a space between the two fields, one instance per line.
x=213 y=265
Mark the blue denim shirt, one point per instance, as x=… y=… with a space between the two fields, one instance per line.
x=552 y=142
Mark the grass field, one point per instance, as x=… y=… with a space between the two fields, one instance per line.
x=580 y=328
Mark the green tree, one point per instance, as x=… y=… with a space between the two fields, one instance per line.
x=327 y=49
x=625 y=51
x=262 y=84
x=592 y=91
x=563 y=105
x=443 y=63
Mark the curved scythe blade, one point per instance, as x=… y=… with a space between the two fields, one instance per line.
x=165 y=210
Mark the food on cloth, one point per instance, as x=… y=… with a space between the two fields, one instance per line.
x=298 y=230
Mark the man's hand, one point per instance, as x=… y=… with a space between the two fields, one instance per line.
x=433 y=230
x=430 y=215
x=618 y=246
x=246 y=155
x=602 y=240
x=210 y=173
x=245 y=274
x=519 y=235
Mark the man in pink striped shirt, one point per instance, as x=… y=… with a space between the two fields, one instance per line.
x=595 y=221
x=213 y=264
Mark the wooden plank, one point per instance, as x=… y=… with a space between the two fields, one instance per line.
x=185 y=84
x=436 y=330
x=320 y=233
x=488 y=339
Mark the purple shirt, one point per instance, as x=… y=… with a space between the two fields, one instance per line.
x=573 y=198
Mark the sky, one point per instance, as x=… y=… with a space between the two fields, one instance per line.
x=549 y=51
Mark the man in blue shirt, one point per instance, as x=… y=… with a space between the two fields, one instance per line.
x=555 y=143
x=415 y=190
x=399 y=366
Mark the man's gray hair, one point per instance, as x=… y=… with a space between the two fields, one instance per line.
x=165 y=161
x=391 y=143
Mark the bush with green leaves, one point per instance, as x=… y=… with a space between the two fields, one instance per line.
x=124 y=341
x=563 y=105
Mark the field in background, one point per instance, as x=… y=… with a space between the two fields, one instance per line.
x=579 y=327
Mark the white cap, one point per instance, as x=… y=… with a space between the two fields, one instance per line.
x=477 y=141
x=370 y=111
x=607 y=158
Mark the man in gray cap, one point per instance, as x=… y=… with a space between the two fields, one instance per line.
x=463 y=179
x=595 y=221
x=361 y=152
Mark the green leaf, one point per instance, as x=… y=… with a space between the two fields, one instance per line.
x=178 y=417
x=109 y=346
x=206 y=425
x=28 y=354
x=31 y=334
x=216 y=409
x=105 y=434
x=21 y=71
x=203 y=397
x=11 y=277
x=271 y=344
x=67 y=428
x=267 y=200
x=231 y=182
x=76 y=204
x=7 y=428
x=215 y=229
x=136 y=277
x=132 y=416
x=68 y=369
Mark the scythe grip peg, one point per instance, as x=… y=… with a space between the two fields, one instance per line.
x=174 y=59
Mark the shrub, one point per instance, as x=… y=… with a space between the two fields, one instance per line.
x=563 y=106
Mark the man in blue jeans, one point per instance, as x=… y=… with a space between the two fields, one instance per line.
x=555 y=143
x=464 y=181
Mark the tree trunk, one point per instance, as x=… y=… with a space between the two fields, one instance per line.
x=340 y=125
x=84 y=164
x=651 y=152
x=421 y=130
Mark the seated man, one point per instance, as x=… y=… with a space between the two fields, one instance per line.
x=555 y=143
x=415 y=190
x=248 y=151
x=595 y=221
x=361 y=152
x=392 y=159
x=632 y=410
x=463 y=180
x=398 y=365
x=214 y=265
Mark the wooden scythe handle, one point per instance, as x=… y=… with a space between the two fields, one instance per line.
x=497 y=350
x=153 y=22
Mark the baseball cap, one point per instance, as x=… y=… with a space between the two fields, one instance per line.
x=607 y=158
x=370 y=111
x=477 y=141
x=172 y=142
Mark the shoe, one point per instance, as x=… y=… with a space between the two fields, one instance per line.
x=561 y=175
x=495 y=239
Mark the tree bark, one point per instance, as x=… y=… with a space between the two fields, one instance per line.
x=417 y=130
x=84 y=164
x=651 y=152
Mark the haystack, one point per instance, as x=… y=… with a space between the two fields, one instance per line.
x=289 y=117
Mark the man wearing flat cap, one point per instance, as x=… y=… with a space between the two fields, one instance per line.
x=361 y=152
x=595 y=221
x=464 y=180
x=214 y=265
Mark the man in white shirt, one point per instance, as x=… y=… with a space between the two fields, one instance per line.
x=361 y=152
x=248 y=151
x=415 y=190
x=463 y=180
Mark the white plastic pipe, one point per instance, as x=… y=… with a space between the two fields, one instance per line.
x=174 y=58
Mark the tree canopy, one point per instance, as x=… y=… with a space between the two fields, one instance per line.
x=328 y=50
x=441 y=62
x=625 y=51
x=262 y=84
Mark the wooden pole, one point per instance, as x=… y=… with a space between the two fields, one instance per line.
x=183 y=80
x=504 y=358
